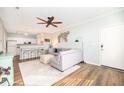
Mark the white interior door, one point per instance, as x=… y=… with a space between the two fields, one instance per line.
x=112 y=47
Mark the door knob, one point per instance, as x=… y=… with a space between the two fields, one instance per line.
x=101 y=46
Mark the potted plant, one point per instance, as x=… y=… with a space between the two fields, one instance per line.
x=1 y=52
x=4 y=71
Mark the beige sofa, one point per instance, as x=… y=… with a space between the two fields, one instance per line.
x=66 y=59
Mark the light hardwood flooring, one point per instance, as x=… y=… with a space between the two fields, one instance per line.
x=86 y=75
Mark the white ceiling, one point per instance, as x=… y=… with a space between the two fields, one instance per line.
x=24 y=19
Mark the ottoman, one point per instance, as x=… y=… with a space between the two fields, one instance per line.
x=46 y=58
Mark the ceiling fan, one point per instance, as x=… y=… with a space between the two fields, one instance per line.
x=49 y=21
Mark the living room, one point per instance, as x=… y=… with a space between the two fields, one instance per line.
x=61 y=46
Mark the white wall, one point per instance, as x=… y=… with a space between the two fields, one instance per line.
x=2 y=37
x=89 y=33
x=21 y=38
x=14 y=39
x=1 y=34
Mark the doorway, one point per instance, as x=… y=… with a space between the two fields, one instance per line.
x=112 y=47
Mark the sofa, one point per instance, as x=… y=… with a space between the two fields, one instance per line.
x=65 y=59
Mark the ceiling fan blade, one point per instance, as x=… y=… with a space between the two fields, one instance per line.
x=47 y=25
x=41 y=23
x=49 y=21
x=57 y=22
x=54 y=25
x=41 y=19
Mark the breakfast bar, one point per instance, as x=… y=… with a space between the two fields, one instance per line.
x=32 y=51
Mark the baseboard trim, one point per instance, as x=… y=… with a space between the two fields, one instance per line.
x=121 y=70
x=89 y=62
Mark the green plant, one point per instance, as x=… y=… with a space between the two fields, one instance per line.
x=5 y=70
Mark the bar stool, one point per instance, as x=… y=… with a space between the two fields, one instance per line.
x=29 y=54
x=36 y=53
x=25 y=54
x=33 y=53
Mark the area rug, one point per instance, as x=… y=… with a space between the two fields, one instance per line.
x=35 y=73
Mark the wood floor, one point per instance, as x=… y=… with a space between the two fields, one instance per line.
x=87 y=75
x=17 y=74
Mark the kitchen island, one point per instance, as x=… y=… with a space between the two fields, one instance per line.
x=32 y=51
